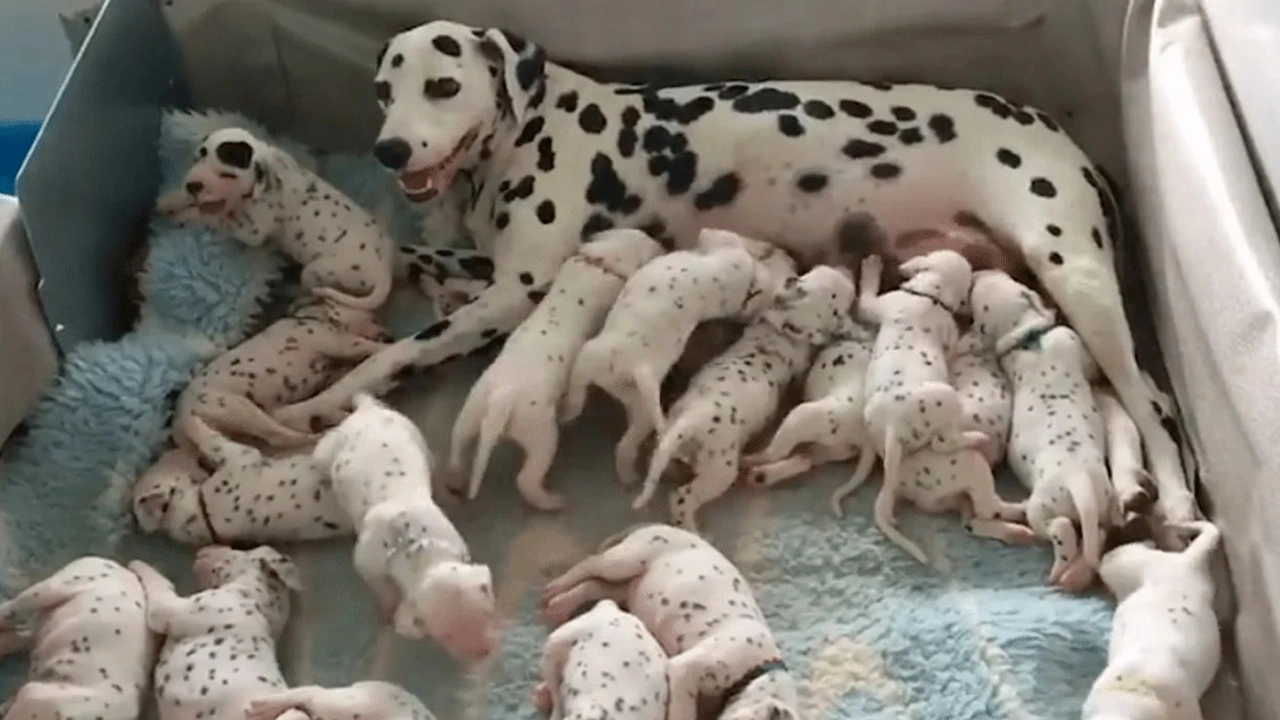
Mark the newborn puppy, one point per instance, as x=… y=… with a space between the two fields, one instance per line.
x=1165 y=644
x=243 y=496
x=601 y=664
x=830 y=422
x=702 y=612
x=728 y=276
x=258 y=192
x=734 y=397
x=91 y=651
x=1134 y=487
x=407 y=551
x=289 y=361
x=910 y=401
x=1055 y=444
x=518 y=394
x=220 y=647
x=365 y=700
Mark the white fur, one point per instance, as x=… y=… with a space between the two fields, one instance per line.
x=1129 y=476
x=364 y=700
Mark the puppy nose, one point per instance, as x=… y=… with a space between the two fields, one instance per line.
x=194 y=187
x=393 y=153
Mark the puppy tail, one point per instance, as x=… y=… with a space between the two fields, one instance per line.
x=491 y=428
x=1081 y=487
x=586 y=368
x=671 y=443
x=866 y=461
x=889 y=495
x=648 y=387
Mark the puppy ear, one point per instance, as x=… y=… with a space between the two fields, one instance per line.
x=520 y=67
x=1038 y=303
x=235 y=153
x=914 y=266
x=282 y=569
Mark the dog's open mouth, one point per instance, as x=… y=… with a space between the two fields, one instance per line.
x=211 y=207
x=422 y=185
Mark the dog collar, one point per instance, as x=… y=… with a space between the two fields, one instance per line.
x=752 y=675
x=928 y=297
x=1030 y=340
x=600 y=265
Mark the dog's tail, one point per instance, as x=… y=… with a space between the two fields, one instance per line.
x=375 y=299
x=586 y=368
x=467 y=425
x=1081 y=487
x=648 y=387
x=866 y=461
x=884 y=517
x=1202 y=548
x=672 y=441
x=492 y=426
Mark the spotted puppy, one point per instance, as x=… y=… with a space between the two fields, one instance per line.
x=702 y=612
x=91 y=651
x=364 y=700
x=1056 y=439
x=407 y=551
x=289 y=360
x=259 y=193
x=911 y=403
x=243 y=496
x=734 y=397
x=1129 y=477
x=829 y=423
x=650 y=325
x=519 y=393
x=604 y=663
x=1165 y=644
x=220 y=643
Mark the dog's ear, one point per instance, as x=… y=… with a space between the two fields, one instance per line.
x=234 y=153
x=914 y=266
x=520 y=67
x=1038 y=303
x=281 y=568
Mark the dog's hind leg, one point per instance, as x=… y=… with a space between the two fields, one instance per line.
x=535 y=430
x=238 y=414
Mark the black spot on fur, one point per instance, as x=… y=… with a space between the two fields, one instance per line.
x=1055 y=257
x=903 y=114
x=536 y=296
x=502 y=220
x=546 y=212
x=654 y=228
x=656 y=139
x=627 y=141
x=594 y=224
x=441 y=88
x=855 y=108
x=881 y=86
x=1043 y=188
x=883 y=127
x=861 y=149
x=530 y=131
x=722 y=191
x=530 y=69
x=568 y=101
x=789 y=125
x=733 y=91
x=885 y=170
x=818 y=110
x=997 y=106
x=447 y=45
x=859 y=235
x=432 y=330
x=1097 y=237
x=1023 y=117
x=765 y=100
x=236 y=153
x=630 y=117
x=526 y=278
x=943 y=127
x=519 y=191
x=669 y=110
x=607 y=188
x=477 y=266
x=1053 y=230
x=592 y=120
x=1009 y=158
x=812 y=182
x=1048 y=122
x=911 y=136
x=546 y=155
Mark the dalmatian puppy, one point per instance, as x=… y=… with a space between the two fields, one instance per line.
x=220 y=643
x=244 y=496
x=550 y=156
x=407 y=551
x=830 y=421
x=364 y=700
x=648 y=328
x=911 y=403
x=259 y=193
x=734 y=397
x=291 y=359
x=603 y=663
x=1165 y=644
x=91 y=651
x=519 y=393
x=1129 y=477
x=1056 y=440
x=702 y=612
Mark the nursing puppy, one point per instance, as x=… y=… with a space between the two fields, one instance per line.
x=728 y=276
x=228 y=492
x=91 y=651
x=1165 y=644
x=830 y=422
x=364 y=700
x=910 y=401
x=407 y=551
x=258 y=192
x=702 y=612
x=288 y=361
x=734 y=397
x=1056 y=440
x=601 y=664
x=220 y=646
x=518 y=395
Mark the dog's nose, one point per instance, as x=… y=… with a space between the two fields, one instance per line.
x=393 y=153
x=194 y=187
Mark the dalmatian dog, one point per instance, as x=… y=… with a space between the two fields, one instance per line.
x=91 y=651
x=364 y=700
x=911 y=403
x=658 y=310
x=702 y=612
x=1056 y=440
x=259 y=193
x=220 y=643
x=407 y=551
x=520 y=392
x=291 y=359
x=734 y=397
x=1165 y=644
x=542 y=157
x=603 y=663
x=244 y=496
x=830 y=421
x=1129 y=477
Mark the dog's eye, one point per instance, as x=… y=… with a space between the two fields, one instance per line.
x=441 y=88
x=382 y=90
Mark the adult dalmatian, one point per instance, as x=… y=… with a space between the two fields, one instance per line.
x=545 y=157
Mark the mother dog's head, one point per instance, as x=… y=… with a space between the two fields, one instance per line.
x=444 y=87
